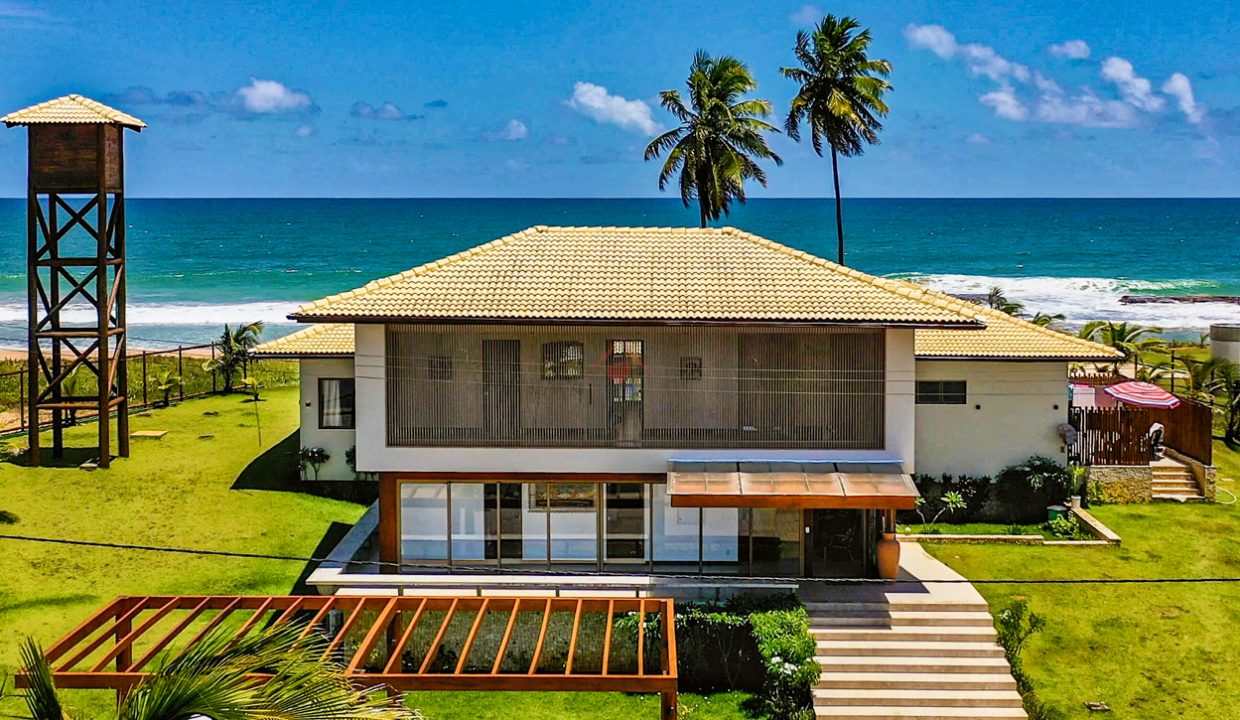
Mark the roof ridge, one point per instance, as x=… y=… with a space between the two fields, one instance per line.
x=422 y=269
x=81 y=102
x=947 y=302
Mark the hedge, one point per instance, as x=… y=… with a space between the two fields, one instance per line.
x=1018 y=494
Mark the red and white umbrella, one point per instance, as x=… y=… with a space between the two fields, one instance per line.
x=1142 y=394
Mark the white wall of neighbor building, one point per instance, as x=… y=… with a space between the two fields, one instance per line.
x=335 y=441
x=1021 y=404
x=375 y=456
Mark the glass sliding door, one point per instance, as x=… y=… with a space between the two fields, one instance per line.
x=573 y=512
x=675 y=531
x=424 y=522
x=624 y=523
x=473 y=522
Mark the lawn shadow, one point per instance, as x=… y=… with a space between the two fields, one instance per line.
x=72 y=458
x=276 y=470
x=335 y=533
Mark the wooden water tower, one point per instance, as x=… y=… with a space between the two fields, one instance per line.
x=75 y=216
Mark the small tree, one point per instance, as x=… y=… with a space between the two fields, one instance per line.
x=234 y=349
x=314 y=457
x=165 y=382
x=950 y=503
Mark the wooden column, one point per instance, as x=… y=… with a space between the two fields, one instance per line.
x=389 y=521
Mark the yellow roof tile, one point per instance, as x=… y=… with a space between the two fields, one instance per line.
x=640 y=274
x=324 y=339
x=73 y=110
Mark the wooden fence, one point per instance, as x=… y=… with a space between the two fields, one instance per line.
x=1120 y=435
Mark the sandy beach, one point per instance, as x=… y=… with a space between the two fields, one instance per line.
x=10 y=354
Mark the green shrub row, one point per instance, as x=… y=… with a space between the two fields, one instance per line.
x=1018 y=494
x=760 y=644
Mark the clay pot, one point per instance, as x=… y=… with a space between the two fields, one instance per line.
x=888 y=556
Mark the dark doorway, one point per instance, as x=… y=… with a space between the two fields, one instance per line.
x=625 y=373
x=837 y=543
x=501 y=399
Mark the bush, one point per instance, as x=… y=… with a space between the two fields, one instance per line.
x=1014 y=626
x=1018 y=494
x=760 y=644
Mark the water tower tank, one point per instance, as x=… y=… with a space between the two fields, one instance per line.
x=1225 y=341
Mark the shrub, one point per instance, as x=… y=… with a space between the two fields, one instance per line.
x=314 y=457
x=1018 y=494
x=787 y=651
x=1014 y=626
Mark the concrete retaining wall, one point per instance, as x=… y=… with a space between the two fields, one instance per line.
x=1202 y=473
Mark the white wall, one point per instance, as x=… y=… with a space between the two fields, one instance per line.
x=375 y=456
x=335 y=441
x=1021 y=403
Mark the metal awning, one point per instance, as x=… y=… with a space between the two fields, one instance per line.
x=859 y=486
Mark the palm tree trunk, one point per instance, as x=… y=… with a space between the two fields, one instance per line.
x=701 y=211
x=839 y=210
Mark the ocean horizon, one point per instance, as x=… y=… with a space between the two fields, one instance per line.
x=196 y=263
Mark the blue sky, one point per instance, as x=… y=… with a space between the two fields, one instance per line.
x=558 y=99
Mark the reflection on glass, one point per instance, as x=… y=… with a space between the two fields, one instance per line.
x=720 y=527
x=533 y=522
x=424 y=521
x=473 y=522
x=574 y=522
x=775 y=537
x=675 y=529
x=625 y=522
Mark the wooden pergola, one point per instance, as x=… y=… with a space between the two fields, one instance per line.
x=401 y=643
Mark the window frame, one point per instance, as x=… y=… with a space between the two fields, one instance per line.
x=439 y=367
x=352 y=425
x=942 y=394
x=554 y=360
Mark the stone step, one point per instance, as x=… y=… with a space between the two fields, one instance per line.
x=918 y=680
x=894 y=605
x=913 y=664
x=910 y=648
x=918 y=698
x=918 y=713
x=1179 y=497
x=913 y=633
x=903 y=618
x=1173 y=484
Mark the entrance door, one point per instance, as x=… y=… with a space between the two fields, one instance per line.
x=624 y=391
x=834 y=543
x=501 y=389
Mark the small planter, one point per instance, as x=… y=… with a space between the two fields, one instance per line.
x=1055 y=512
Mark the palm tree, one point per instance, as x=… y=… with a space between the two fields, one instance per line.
x=213 y=679
x=234 y=348
x=1129 y=338
x=841 y=95
x=997 y=300
x=720 y=137
x=1042 y=319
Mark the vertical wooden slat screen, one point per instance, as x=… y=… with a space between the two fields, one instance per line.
x=673 y=387
x=1119 y=435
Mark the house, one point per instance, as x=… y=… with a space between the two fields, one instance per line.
x=700 y=401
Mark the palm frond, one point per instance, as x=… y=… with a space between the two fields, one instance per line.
x=41 y=698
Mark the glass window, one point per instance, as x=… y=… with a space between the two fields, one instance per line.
x=439 y=367
x=424 y=521
x=941 y=392
x=563 y=360
x=336 y=403
x=473 y=522
x=533 y=521
x=573 y=515
x=720 y=528
x=675 y=529
x=690 y=368
x=774 y=539
x=625 y=522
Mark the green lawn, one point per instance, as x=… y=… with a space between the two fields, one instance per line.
x=180 y=491
x=1149 y=651
x=944 y=528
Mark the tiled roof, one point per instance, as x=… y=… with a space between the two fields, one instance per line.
x=325 y=339
x=1006 y=337
x=640 y=274
x=71 y=109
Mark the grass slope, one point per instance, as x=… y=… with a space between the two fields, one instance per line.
x=612 y=706
x=174 y=491
x=1149 y=651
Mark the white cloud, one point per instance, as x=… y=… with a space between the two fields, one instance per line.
x=304 y=131
x=1134 y=88
x=596 y=103
x=980 y=59
x=385 y=111
x=265 y=97
x=1085 y=109
x=1005 y=103
x=1179 y=87
x=935 y=38
x=977 y=139
x=1070 y=49
x=514 y=130
x=806 y=15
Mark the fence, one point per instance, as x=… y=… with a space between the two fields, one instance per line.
x=1119 y=435
x=148 y=371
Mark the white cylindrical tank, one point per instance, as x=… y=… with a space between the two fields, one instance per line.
x=1225 y=341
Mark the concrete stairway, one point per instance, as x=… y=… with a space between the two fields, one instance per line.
x=1173 y=481
x=902 y=655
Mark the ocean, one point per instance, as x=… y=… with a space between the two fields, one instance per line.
x=196 y=264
